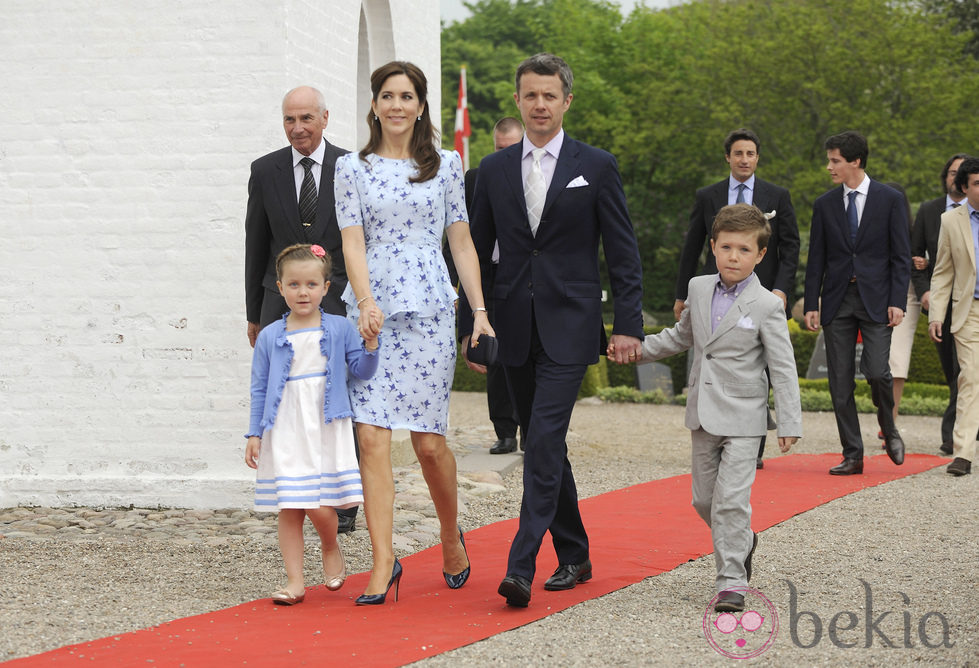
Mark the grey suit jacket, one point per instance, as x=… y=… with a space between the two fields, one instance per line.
x=727 y=393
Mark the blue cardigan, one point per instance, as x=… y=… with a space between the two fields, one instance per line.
x=342 y=346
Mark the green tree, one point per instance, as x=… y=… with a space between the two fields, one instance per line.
x=661 y=89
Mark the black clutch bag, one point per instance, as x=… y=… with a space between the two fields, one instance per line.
x=485 y=351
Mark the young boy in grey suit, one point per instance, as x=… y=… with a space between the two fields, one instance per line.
x=736 y=328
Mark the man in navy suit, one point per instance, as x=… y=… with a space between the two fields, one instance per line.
x=549 y=200
x=859 y=265
x=273 y=219
x=776 y=271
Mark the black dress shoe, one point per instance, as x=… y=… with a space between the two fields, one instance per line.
x=945 y=448
x=848 y=467
x=568 y=575
x=959 y=466
x=504 y=446
x=759 y=464
x=747 y=560
x=516 y=590
x=729 y=601
x=346 y=523
x=894 y=447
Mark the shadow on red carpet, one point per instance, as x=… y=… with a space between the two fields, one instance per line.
x=635 y=533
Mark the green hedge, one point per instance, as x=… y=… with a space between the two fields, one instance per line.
x=925 y=372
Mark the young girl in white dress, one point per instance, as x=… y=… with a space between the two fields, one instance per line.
x=300 y=438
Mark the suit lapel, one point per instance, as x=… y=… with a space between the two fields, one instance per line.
x=324 y=200
x=285 y=186
x=838 y=213
x=763 y=196
x=565 y=170
x=965 y=229
x=511 y=171
x=738 y=310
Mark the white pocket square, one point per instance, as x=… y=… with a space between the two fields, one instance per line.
x=745 y=323
x=577 y=182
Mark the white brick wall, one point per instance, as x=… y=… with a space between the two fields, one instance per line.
x=126 y=133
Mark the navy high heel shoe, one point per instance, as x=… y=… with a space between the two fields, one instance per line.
x=378 y=599
x=459 y=579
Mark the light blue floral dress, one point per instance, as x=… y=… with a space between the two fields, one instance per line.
x=403 y=227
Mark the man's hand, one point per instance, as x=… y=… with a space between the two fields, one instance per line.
x=785 y=443
x=894 y=316
x=253 y=330
x=811 y=319
x=919 y=262
x=935 y=331
x=678 y=307
x=624 y=349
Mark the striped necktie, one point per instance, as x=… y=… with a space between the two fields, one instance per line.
x=307 y=194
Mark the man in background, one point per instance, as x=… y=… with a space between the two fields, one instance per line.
x=776 y=272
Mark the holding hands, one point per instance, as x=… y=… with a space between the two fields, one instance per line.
x=624 y=349
x=370 y=321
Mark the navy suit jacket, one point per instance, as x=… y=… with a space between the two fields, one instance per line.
x=776 y=271
x=272 y=223
x=880 y=260
x=553 y=278
x=924 y=241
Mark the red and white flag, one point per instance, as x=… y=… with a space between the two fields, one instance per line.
x=462 y=122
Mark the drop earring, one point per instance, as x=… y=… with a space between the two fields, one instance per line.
x=419 y=118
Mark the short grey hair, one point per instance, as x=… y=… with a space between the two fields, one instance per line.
x=547 y=64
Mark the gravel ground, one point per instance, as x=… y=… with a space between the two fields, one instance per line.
x=909 y=548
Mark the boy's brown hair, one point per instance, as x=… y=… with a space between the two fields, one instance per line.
x=742 y=218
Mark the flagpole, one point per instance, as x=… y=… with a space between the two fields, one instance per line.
x=462 y=129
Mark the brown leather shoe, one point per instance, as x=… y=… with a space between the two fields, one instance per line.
x=959 y=467
x=945 y=448
x=848 y=467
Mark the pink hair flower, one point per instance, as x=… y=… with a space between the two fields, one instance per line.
x=317 y=250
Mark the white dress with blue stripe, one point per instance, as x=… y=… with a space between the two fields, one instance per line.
x=304 y=462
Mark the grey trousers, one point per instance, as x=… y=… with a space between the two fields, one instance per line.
x=723 y=469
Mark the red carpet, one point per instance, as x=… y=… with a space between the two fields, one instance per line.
x=635 y=533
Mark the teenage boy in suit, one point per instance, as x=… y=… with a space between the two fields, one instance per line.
x=857 y=282
x=736 y=328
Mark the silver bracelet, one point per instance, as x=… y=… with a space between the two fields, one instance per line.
x=362 y=300
x=478 y=309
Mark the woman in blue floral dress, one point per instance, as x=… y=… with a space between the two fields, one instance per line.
x=394 y=201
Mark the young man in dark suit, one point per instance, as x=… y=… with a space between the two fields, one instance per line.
x=776 y=272
x=924 y=251
x=290 y=201
x=549 y=201
x=859 y=267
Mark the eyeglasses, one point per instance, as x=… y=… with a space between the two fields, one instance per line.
x=728 y=623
